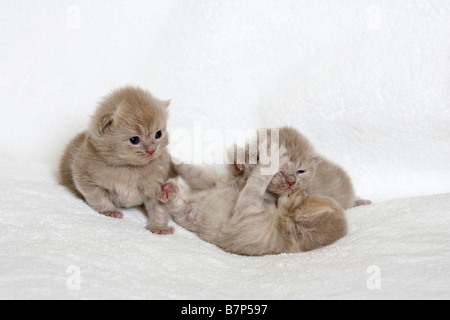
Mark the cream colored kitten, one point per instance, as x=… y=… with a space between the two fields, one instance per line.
x=122 y=161
x=308 y=169
x=239 y=221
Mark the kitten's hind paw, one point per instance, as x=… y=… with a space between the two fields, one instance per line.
x=112 y=214
x=168 y=191
x=362 y=202
x=160 y=230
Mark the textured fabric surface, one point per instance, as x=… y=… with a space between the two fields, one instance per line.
x=367 y=81
x=55 y=246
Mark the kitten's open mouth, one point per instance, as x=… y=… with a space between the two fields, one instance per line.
x=286 y=190
x=146 y=155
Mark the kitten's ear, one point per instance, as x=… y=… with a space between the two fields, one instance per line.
x=105 y=122
x=317 y=159
x=166 y=103
x=108 y=119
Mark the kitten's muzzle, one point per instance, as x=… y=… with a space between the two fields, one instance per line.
x=290 y=180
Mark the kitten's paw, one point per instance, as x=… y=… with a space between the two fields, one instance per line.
x=240 y=159
x=362 y=202
x=160 y=230
x=112 y=214
x=168 y=191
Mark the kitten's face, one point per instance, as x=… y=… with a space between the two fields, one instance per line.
x=300 y=170
x=297 y=175
x=138 y=144
x=131 y=128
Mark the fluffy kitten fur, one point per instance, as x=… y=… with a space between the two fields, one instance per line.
x=239 y=221
x=121 y=161
x=307 y=170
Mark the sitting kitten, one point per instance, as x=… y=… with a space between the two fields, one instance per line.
x=122 y=161
x=239 y=221
x=307 y=170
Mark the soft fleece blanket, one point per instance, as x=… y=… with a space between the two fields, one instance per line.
x=54 y=246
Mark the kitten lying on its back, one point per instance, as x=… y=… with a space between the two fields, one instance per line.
x=308 y=170
x=122 y=160
x=238 y=221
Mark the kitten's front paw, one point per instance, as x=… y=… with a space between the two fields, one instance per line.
x=240 y=159
x=168 y=191
x=160 y=230
x=112 y=214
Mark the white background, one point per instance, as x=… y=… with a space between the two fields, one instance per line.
x=367 y=81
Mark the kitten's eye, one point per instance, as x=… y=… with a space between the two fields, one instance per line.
x=158 y=134
x=134 y=140
x=301 y=171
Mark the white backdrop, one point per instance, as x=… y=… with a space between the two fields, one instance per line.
x=367 y=81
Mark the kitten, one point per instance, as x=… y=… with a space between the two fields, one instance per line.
x=307 y=170
x=122 y=161
x=239 y=221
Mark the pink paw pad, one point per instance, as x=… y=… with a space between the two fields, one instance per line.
x=168 y=190
x=160 y=231
x=112 y=214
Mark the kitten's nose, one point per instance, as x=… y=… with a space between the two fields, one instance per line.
x=290 y=180
x=151 y=152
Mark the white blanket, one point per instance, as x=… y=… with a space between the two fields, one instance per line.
x=53 y=245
